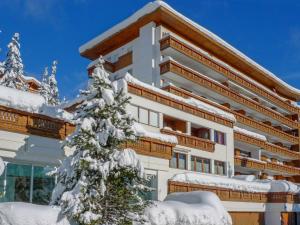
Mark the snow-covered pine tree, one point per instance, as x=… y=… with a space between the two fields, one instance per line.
x=45 y=88
x=13 y=66
x=53 y=89
x=100 y=183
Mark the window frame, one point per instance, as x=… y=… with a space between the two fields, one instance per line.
x=217 y=163
x=149 y=111
x=193 y=164
x=216 y=137
x=177 y=161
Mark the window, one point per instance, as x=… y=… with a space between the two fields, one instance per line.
x=200 y=164
x=178 y=161
x=245 y=154
x=220 y=137
x=220 y=168
x=26 y=183
x=144 y=115
x=151 y=182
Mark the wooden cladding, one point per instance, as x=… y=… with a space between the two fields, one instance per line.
x=172 y=102
x=191 y=52
x=202 y=80
x=266 y=145
x=234 y=195
x=123 y=61
x=190 y=141
x=239 y=117
x=248 y=163
x=152 y=147
x=27 y=123
x=278 y=168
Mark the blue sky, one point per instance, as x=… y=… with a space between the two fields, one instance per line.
x=268 y=31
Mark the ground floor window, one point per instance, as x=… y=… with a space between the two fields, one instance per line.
x=220 y=168
x=151 y=182
x=199 y=164
x=26 y=183
x=179 y=161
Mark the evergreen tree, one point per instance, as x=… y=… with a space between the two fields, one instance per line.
x=53 y=98
x=45 y=88
x=13 y=66
x=100 y=183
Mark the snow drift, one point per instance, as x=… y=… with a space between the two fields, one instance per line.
x=190 y=208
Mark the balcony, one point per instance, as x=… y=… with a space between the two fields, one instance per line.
x=216 y=87
x=194 y=77
x=176 y=104
x=236 y=196
x=269 y=147
x=28 y=123
x=249 y=163
x=191 y=142
x=282 y=168
x=192 y=53
x=151 y=147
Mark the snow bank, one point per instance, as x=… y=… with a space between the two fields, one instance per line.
x=221 y=182
x=151 y=7
x=18 y=213
x=141 y=132
x=250 y=133
x=191 y=101
x=239 y=183
x=30 y=102
x=192 y=208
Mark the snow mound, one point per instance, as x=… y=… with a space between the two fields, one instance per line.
x=238 y=183
x=141 y=132
x=192 y=208
x=17 y=213
x=250 y=133
x=30 y=102
x=222 y=182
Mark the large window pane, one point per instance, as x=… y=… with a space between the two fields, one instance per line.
x=206 y=166
x=42 y=185
x=143 y=116
x=18 y=178
x=173 y=162
x=134 y=110
x=181 y=161
x=153 y=119
x=198 y=164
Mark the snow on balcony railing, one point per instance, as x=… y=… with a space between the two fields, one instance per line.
x=250 y=133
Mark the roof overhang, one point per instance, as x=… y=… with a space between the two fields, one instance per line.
x=166 y=16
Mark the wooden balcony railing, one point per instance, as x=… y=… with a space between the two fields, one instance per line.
x=277 y=168
x=202 y=80
x=266 y=146
x=28 y=123
x=172 y=42
x=234 y=195
x=152 y=147
x=176 y=104
x=192 y=142
x=248 y=163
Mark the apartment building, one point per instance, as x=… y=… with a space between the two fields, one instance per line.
x=230 y=115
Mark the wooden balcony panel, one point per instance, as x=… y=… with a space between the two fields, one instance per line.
x=151 y=147
x=266 y=145
x=192 y=142
x=227 y=72
x=168 y=101
x=234 y=195
x=18 y=121
x=283 y=168
x=202 y=80
x=208 y=83
x=248 y=163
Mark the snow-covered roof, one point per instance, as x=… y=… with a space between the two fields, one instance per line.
x=30 y=78
x=30 y=102
x=153 y=6
x=237 y=184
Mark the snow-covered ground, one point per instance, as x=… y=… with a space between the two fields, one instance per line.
x=193 y=208
x=238 y=183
